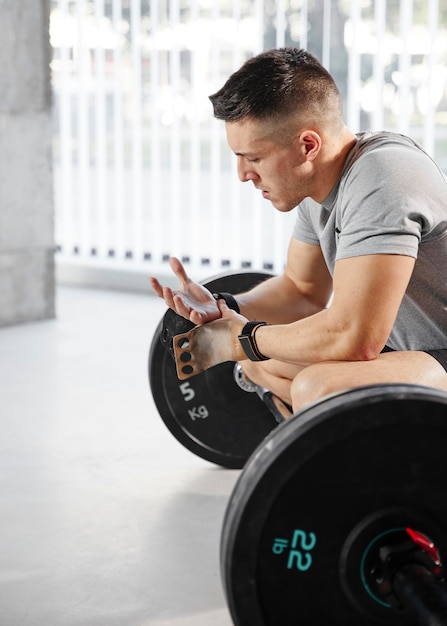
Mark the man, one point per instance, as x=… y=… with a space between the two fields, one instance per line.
x=363 y=298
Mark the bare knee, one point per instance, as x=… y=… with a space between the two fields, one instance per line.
x=311 y=384
x=253 y=372
x=272 y=375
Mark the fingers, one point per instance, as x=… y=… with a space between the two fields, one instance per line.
x=169 y=298
x=230 y=315
x=179 y=306
x=196 y=318
x=186 y=311
x=175 y=301
x=191 y=301
x=165 y=293
x=156 y=286
x=224 y=309
x=227 y=313
x=179 y=270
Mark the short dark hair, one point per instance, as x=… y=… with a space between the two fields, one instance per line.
x=277 y=83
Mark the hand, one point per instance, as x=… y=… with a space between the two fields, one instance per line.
x=210 y=344
x=191 y=300
x=236 y=323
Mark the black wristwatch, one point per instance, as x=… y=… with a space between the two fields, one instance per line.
x=248 y=342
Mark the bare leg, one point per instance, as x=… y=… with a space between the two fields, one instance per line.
x=300 y=385
x=273 y=375
x=320 y=379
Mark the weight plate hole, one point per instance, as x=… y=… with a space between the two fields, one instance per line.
x=188 y=369
x=183 y=342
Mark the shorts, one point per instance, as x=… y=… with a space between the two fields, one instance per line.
x=439 y=355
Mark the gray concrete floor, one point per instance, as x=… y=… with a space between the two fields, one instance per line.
x=105 y=520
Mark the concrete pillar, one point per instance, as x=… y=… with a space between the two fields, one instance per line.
x=26 y=188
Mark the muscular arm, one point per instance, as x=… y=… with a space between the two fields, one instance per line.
x=367 y=294
x=302 y=290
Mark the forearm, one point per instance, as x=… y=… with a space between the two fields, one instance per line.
x=368 y=292
x=277 y=301
x=321 y=337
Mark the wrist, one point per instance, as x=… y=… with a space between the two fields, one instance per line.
x=247 y=339
x=230 y=300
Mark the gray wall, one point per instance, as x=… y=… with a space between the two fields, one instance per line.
x=26 y=187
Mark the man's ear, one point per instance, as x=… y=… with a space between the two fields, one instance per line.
x=311 y=143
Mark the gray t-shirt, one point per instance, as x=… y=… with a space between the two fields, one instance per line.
x=391 y=198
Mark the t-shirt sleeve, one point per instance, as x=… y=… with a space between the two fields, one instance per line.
x=383 y=209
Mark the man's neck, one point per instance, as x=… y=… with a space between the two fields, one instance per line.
x=333 y=159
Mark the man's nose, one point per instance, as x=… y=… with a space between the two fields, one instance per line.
x=245 y=170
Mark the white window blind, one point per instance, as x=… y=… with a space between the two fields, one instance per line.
x=142 y=170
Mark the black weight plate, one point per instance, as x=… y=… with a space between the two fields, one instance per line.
x=311 y=483
x=209 y=414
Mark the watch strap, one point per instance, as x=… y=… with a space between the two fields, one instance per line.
x=248 y=341
x=230 y=300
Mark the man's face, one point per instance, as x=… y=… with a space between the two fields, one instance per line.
x=280 y=172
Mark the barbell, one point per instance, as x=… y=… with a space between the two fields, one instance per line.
x=340 y=516
x=340 y=513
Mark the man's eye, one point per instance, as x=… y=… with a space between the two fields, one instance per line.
x=251 y=160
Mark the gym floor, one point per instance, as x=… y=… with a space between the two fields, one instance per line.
x=105 y=519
